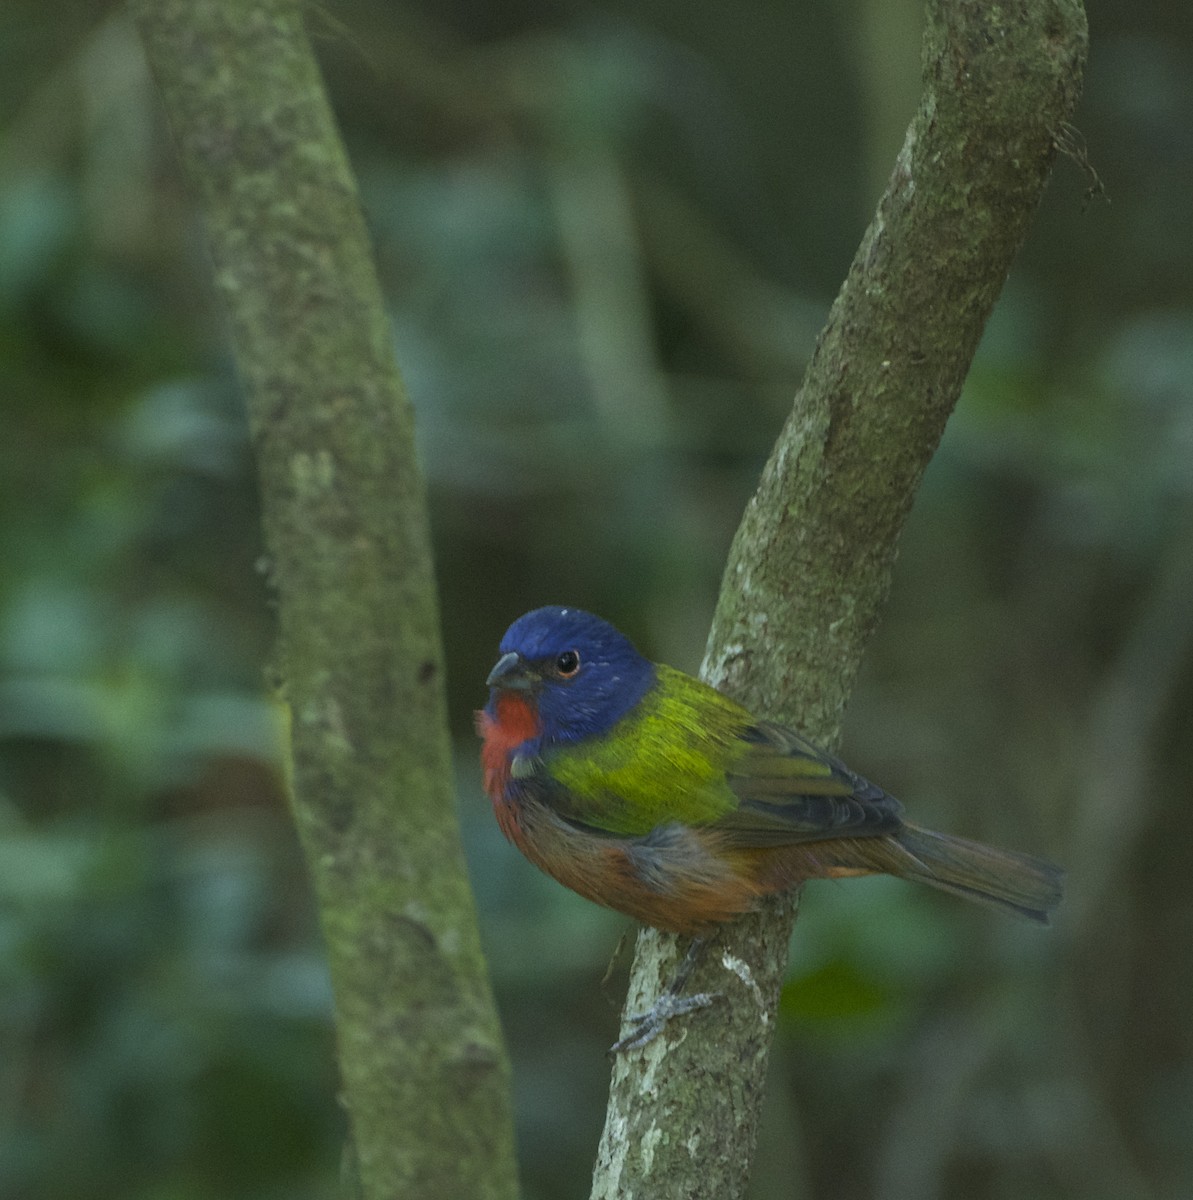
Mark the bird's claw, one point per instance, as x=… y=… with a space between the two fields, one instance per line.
x=646 y=1026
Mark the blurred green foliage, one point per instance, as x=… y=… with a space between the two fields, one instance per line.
x=607 y=236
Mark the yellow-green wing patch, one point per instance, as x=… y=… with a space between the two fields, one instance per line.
x=665 y=762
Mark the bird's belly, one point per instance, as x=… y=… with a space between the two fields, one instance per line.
x=674 y=878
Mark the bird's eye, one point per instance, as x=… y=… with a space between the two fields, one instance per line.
x=568 y=663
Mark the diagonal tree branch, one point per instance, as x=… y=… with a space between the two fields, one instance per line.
x=425 y=1076
x=810 y=566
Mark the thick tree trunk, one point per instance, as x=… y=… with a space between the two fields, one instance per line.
x=811 y=564
x=425 y=1076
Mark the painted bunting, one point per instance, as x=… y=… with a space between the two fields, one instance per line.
x=650 y=792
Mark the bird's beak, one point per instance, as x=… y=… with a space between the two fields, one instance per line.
x=511 y=672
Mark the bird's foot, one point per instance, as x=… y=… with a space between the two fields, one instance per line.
x=646 y=1026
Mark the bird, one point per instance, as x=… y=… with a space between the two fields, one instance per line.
x=650 y=792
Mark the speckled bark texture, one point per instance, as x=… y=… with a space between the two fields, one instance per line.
x=810 y=566
x=424 y=1073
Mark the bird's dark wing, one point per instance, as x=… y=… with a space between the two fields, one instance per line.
x=790 y=791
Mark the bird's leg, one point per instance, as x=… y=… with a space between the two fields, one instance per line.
x=614 y=959
x=646 y=1026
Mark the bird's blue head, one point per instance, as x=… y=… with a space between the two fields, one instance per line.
x=581 y=674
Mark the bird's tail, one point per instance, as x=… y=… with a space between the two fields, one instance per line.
x=1018 y=883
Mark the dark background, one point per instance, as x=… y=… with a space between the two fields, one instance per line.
x=607 y=235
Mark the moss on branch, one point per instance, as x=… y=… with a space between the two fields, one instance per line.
x=425 y=1076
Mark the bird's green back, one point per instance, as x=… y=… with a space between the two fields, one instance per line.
x=664 y=761
x=686 y=753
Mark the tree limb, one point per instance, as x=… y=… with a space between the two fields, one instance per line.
x=425 y=1076
x=810 y=566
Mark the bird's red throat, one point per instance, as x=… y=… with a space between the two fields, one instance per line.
x=514 y=721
